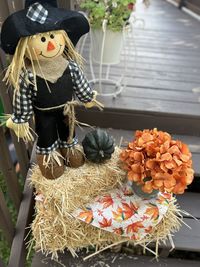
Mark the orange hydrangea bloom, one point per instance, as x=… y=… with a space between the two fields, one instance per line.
x=155 y=161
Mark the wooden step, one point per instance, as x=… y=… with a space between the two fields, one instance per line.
x=190 y=202
x=108 y=259
x=125 y=115
x=126 y=136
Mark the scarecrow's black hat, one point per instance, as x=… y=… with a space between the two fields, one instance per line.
x=41 y=16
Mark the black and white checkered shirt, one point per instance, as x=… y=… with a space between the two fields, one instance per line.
x=24 y=98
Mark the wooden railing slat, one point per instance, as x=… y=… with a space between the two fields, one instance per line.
x=4 y=11
x=69 y=4
x=5 y=220
x=8 y=171
x=193 y=5
x=18 y=250
x=14 y=5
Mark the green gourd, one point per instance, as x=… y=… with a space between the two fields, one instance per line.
x=98 y=146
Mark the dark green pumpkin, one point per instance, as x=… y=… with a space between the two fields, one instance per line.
x=98 y=146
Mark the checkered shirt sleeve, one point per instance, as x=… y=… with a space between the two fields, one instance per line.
x=81 y=85
x=22 y=101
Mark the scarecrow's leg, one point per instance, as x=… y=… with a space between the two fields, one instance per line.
x=48 y=155
x=72 y=152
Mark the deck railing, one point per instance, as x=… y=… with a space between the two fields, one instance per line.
x=23 y=152
x=193 y=5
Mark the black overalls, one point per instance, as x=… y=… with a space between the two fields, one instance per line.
x=51 y=125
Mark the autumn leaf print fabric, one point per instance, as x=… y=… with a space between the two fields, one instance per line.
x=124 y=213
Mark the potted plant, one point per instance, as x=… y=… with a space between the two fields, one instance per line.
x=107 y=19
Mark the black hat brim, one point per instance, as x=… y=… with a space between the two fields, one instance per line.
x=19 y=25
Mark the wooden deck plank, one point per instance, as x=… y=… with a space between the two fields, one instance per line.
x=151 y=74
x=187 y=239
x=163 y=62
x=157 y=105
x=143 y=82
x=186 y=202
x=188 y=49
x=155 y=54
x=143 y=63
x=135 y=120
x=173 y=96
x=109 y=259
x=147 y=40
x=156 y=94
x=175 y=57
x=179 y=47
x=162 y=49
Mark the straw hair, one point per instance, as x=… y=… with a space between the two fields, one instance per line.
x=55 y=229
x=20 y=61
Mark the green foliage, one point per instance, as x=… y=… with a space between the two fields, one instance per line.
x=115 y=12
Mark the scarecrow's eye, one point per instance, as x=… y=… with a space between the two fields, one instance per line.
x=52 y=36
x=43 y=39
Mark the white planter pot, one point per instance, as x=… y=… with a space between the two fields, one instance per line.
x=108 y=45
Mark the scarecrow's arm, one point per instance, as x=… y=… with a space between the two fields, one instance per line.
x=82 y=88
x=22 y=108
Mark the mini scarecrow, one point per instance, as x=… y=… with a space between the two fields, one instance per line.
x=46 y=75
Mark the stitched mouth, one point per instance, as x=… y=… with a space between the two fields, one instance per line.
x=52 y=56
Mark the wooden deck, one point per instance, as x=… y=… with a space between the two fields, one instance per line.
x=161 y=76
x=113 y=260
x=160 y=93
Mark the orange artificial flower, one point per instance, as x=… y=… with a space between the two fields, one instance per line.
x=157 y=162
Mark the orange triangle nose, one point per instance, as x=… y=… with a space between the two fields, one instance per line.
x=50 y=46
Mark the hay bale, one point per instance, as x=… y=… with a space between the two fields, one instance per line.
x=54 y=229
